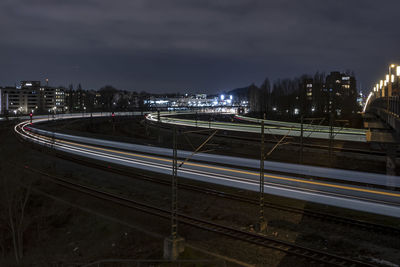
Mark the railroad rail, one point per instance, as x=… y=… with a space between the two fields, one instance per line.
x=342 y=149
x=312 y=255
x=374 y=227
x=309 y=213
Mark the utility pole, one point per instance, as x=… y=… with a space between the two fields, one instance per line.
x=53 y=141
x=158 y=127
x=262 y=225
x=174 y=203
x=301 y=139
x=174 y=245
x=113 y=121
x=330 y=138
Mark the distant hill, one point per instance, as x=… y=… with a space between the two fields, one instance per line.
x=239 y=92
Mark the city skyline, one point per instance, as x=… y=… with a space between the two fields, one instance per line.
x=193 y=47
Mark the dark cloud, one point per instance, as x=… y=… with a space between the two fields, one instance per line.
x=178 y=45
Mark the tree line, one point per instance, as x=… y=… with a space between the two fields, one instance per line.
x=290 y=98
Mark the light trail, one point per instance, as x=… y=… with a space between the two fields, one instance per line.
x=230 y=170
x=339 y=195
x=344 y=134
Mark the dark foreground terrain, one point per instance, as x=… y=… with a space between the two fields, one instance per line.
x=54 y=226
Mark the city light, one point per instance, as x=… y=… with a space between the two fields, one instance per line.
x=222 y=97
x=398 y=71
x=366 y=102
x=387 y=78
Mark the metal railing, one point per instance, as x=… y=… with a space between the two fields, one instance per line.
x=167 y=263
x=388 y=110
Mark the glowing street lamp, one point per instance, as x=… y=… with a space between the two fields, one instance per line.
x=381 y=88
x=390 y=80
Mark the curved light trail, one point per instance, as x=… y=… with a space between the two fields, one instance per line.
x=281 y=128
x=357 y=197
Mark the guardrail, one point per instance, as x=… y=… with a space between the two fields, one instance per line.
x=182 y=263
x=388 y=110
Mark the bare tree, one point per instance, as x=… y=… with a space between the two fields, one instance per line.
x=13 y=200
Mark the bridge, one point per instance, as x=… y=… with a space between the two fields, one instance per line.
x=383 y=104
x=386 y=110
x=381 y=115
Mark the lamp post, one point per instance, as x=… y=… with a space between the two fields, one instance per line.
x=390 y=81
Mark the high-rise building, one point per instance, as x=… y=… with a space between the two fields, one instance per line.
x=341 y=93
x=30 y=96
x=338 y=94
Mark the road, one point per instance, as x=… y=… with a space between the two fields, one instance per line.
x=294 y=181
x=71 y=115
x=277 y=128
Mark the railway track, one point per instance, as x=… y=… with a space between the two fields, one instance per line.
x=250 y=138
x=311 y=255
x=325 y=217
x=377 y=228
x=234 y=136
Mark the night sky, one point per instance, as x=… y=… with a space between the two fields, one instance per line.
x=194 y=46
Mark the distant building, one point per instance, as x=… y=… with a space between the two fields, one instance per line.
x=29 y=97
x=341 y=94
x=337 y=94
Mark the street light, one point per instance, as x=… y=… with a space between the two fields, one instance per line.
x=390 y=80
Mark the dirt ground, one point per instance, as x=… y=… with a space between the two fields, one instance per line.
x=60 y=233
